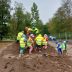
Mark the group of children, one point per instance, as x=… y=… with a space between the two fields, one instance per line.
x=31 y=39
x=61 y=47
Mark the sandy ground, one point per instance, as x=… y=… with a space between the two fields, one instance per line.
x=4 y=44
x=36 y=62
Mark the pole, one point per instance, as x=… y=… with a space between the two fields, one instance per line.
x=66 y=36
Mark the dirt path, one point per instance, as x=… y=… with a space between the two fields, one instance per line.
x=4 y=46
x=37 y=62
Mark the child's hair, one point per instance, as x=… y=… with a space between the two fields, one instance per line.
x=45 y=35
x=32 y=35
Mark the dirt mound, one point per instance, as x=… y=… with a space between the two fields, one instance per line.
x=36 y=62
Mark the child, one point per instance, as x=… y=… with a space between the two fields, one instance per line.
x=35 y=31
x=45 y=41
x=59 y=49
x=22 y=46
x=19 y=36
x=30 y=44
x=38 y=41
x=64 y=46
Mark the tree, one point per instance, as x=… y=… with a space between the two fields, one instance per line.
x=67 y=7
x=61 y=20
x=28 y=19
x=45 y=29
x=19 y=16
x=4 y=17
x=35 y=15
x=13 y=26
x=19 y=20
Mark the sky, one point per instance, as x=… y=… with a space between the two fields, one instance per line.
x=47 y=8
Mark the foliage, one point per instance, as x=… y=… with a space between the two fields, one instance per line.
x=45 y=29
x=27 y=19
x=4 y=17
x=20 y=19
x=19 y=16
x=35 y=14
x=61 y=22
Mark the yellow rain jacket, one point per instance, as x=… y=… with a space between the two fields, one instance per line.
x=39 y=39
x=19 y=35
x=22 y=43
x=35 y=30
x=44 y=42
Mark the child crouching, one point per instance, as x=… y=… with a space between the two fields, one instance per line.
x=59 y=48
